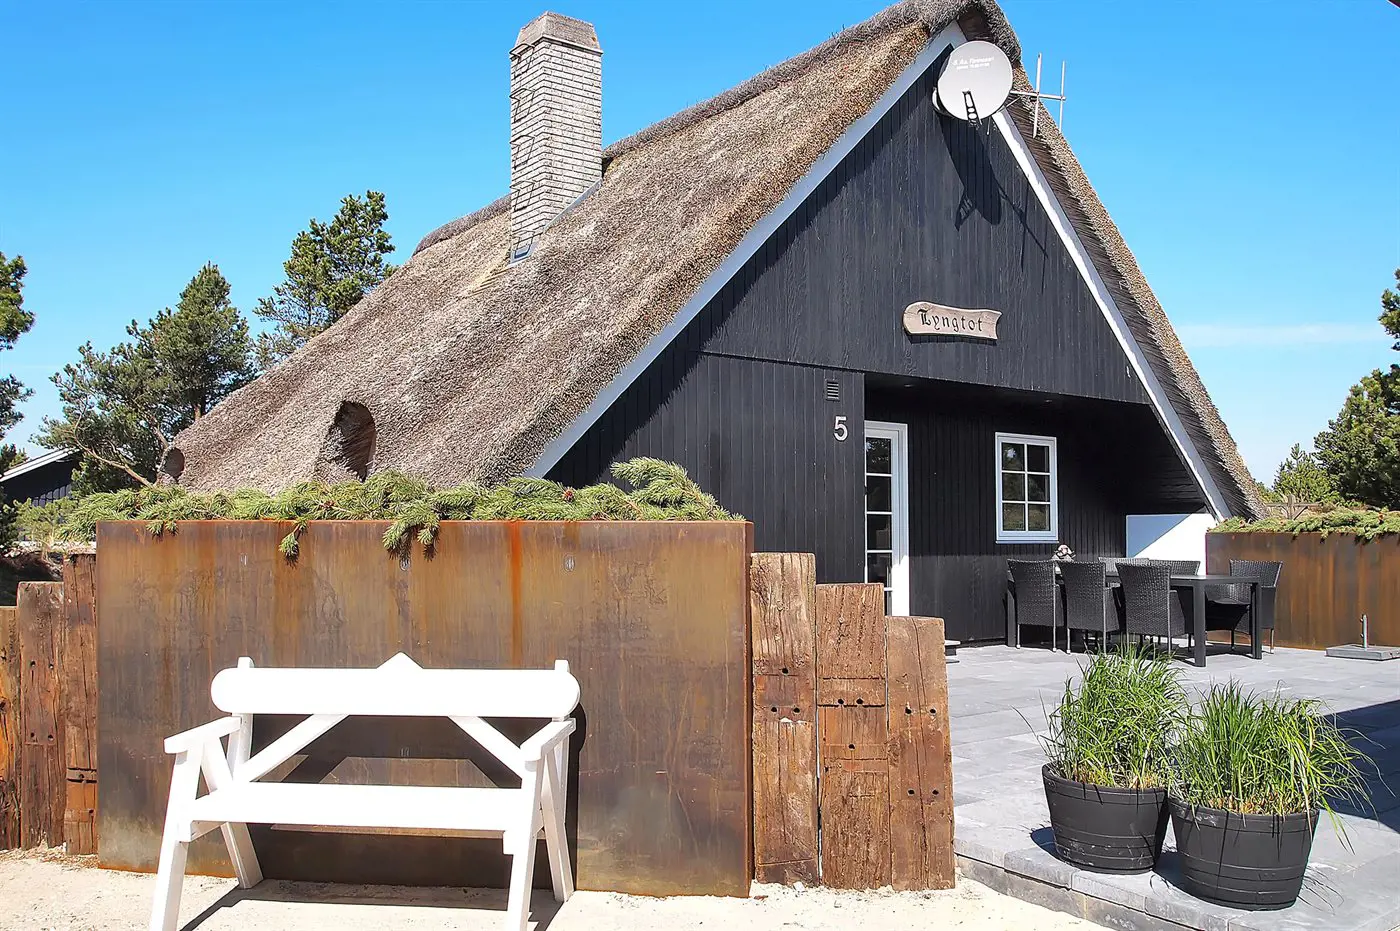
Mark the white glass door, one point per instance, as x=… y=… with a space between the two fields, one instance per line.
x=887 y=512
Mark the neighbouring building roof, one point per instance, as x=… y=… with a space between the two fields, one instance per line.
x=39 y=462
x=471 y=366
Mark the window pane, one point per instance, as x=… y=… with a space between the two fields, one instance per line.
x=877 y=454
x=1037 y=458
x=1013 y=517
x=877 y=568
x=877 y=494
x=1013 y=486
x=1038 y=487
x=889 y=602
x=1013 y=456
x=878 y=532
x=1038 y=517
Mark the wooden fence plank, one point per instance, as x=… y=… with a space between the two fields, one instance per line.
x=851 y=631
x=920 y=756
x=852 y=736
x=78 y=689
x=42 y=771
x=855 y=824
x=782 y=604
x=9 y=730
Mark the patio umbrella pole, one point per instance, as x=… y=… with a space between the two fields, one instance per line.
x=1364 y=650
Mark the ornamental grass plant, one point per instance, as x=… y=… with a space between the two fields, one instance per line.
x=1266 y=755
x=1117 y=727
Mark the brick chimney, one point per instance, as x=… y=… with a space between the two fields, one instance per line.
x=556 y=122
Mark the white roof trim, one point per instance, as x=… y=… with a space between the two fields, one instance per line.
x=1175 y=429
x=750 y=244
x=29 y=465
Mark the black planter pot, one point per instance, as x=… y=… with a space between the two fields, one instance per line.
x=1246 y=861
x=1106 y=829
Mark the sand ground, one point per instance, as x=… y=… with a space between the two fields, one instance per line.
x=46 y=892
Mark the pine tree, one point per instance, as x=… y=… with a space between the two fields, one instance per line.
x=122 y=408
x=14 y=322
x=201 y=349
x=333 y=265
x=1302 y=479
x=1360 y=449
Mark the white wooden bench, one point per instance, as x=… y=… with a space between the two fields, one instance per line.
x=400 y=687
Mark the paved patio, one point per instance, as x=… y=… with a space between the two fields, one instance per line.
x=998 y=697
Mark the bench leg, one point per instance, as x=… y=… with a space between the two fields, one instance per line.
x=174 y=844
x=522 y=877
x=218 y=773
x=520 y=845
x=556 y=841
x=240 y=851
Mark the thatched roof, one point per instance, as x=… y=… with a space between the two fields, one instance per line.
x=470 y=366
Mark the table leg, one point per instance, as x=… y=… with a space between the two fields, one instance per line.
x=1256 y=642
x=1198 y=621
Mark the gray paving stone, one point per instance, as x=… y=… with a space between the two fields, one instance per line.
x=1110 y=887
x=1001 y=818
x=1041 y=864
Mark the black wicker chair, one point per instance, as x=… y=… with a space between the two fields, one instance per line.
x=1089 y=604
x=1227 y=606
x=1150 y=607
x=1177 y=566
x=1034 y=584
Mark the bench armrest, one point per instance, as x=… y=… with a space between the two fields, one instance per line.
x=188 y=740
x=534 y=749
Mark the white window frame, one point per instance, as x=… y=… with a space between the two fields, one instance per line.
x=1029 y=536
x=898 y=434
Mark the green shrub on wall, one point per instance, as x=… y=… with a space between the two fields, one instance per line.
x=1363 y=523
x=659 y=491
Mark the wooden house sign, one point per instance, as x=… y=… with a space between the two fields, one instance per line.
x=924 y=319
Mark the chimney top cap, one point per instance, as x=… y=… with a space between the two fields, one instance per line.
x=560 y=28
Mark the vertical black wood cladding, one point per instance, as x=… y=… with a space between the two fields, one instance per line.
x=924 y=209
x=759 y=436
x=1107 y=453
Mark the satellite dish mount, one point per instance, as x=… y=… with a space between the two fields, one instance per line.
x=976 y=82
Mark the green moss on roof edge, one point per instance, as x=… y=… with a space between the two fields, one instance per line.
x=1363 y=523
x=659 y=491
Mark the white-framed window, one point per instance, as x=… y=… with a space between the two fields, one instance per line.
x=1027 y=494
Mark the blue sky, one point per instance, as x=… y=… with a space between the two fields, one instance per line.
x=1249 y=153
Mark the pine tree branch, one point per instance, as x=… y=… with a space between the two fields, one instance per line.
x=113 y=463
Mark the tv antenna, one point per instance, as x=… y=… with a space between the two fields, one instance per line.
x=1036 y=96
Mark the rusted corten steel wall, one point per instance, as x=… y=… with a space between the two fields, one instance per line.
x=1326 y=584
x=652 y=618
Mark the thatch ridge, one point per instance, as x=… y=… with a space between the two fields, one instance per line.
x=471 y=367
x=933 y=15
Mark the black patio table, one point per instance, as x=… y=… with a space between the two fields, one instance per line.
x=1197 y=585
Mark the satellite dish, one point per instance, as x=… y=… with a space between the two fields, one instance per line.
x=975 y=82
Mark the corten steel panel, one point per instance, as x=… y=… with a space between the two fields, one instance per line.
x=1326 y=585
x=652 y=618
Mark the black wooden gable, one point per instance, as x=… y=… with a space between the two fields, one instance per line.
x=925 y=208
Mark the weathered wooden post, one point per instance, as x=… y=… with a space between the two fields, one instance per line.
x=782 y=608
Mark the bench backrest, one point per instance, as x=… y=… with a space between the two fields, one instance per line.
x=398 y=688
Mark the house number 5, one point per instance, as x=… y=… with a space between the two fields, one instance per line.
x=840 y=431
